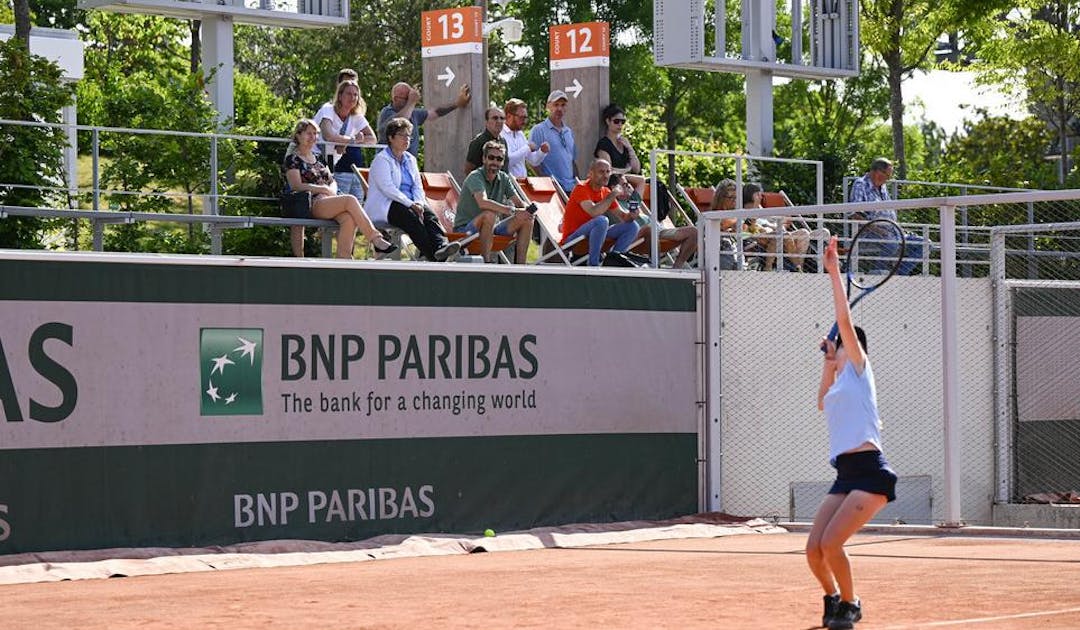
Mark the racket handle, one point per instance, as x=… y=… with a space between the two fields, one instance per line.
x=835 y=330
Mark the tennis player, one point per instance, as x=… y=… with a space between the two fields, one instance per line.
x=864 y=481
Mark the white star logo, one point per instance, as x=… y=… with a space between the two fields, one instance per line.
x=231 y=399
x=220 y=363
x=212 y=392
x=246 y=348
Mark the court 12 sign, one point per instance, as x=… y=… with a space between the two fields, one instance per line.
x=579 y=45
x=451 y=32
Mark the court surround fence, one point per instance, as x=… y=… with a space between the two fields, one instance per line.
x=934 y=341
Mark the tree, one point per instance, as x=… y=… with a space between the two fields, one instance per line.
x=33 y=91
x=22 y=22
x=1039 y=44
x=903 y=33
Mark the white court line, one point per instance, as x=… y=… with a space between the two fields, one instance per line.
x=938 y=624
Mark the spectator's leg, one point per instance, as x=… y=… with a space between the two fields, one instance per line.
x=404 y=218
x=434 y=229
x=797 y=243
x=296 y=239
x=520 y=226
x=485 y=225
x=913 y=254
x=346 y=235
x=687 y=237
x=624 y=234
x=595 y=231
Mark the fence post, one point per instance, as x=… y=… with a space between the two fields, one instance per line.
x=97 y=227
x=1002 y=382
x=950 y=368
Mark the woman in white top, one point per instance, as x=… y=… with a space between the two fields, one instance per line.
x=864 y=480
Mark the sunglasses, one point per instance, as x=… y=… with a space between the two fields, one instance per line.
x=619 y=121
x=494 y=158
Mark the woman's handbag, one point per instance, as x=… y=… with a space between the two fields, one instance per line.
x=296 y=204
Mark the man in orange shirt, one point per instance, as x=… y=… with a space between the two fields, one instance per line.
x=586 y=209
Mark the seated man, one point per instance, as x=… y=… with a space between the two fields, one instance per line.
x=493 y=124
x=490 y=205
x=585 y=213
x=871 y=187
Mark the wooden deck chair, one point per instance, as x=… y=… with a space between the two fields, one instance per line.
x=443 y=192
x=676 y=209
x=395 y=235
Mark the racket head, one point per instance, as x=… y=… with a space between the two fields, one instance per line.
x=874 y=254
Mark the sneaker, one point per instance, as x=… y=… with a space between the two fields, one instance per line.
x=847 y=613
x=447 y=251
x=832 y=602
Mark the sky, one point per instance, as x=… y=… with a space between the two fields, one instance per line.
x=947 y=98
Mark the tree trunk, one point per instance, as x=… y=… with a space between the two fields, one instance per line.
x=22 y=22
x=894 y=61
x=196 y=44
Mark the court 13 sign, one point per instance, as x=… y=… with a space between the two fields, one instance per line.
x=451 y=32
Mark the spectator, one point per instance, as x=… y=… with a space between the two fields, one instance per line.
x=396 y=195
x=342 y=122
x=490 y=205
x=585 y=213
x=519 y=149
x=304 y=171
x=796 y=240
x=614 y=147
x=559 y=163
x=403 y=100
x=724 y=197
x=493 y=125
x=871 y=187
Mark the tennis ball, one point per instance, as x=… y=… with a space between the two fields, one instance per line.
x=489 y=533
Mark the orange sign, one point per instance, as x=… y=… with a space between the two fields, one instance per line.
x=580 y=45
x=451 y=27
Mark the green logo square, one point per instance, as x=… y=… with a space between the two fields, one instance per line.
x=230 y=365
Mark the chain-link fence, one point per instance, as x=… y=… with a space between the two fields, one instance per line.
x=1037 y=320
x=933 y=350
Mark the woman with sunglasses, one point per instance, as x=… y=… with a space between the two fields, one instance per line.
x=614 y=147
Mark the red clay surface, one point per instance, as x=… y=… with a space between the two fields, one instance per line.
x=747 y=581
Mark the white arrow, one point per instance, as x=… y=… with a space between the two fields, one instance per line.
x=448 y=77
x=576 y=88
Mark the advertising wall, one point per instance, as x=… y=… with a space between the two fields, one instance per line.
x=193 y=401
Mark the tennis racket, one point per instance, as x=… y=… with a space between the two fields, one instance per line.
x=873 y=256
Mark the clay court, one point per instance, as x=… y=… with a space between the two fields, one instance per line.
x=749 y=580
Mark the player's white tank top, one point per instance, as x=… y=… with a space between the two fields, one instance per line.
x=851 y=410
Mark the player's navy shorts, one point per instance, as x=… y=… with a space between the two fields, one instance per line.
x=865 y=470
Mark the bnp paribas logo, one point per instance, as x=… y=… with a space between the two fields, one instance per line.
x=230 y=364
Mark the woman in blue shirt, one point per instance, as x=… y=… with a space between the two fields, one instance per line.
x=864 y=480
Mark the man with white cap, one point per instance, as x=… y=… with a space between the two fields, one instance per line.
x=559 y=163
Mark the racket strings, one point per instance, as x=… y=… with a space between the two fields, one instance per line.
x=874 y=253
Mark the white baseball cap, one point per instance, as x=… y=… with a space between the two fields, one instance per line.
x=557 y=95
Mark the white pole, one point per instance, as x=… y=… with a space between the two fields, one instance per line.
x=710 y=249
x=1002 y=381
x=950 y=367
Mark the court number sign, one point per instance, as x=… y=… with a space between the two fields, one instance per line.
x=451 y=31
x=579 y=45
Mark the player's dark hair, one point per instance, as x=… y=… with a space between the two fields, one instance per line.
x=860 y=333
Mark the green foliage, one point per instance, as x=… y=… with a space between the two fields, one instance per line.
x=33 y=91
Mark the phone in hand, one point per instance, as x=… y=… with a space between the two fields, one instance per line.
x=531 y=208
x=633 y=205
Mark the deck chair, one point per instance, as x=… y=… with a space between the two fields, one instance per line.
x=547 y=195
x=696 y=197
x=443 y=192
x=395 y=235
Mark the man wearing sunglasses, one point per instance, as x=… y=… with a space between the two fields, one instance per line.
x=490 y=205
x=493 y=124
